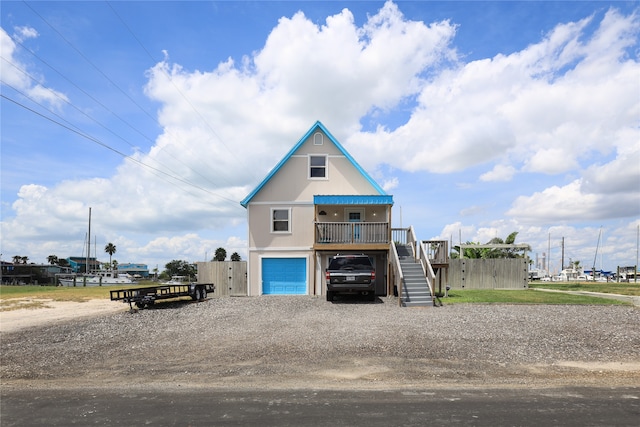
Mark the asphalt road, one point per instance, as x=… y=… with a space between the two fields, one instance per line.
x=207 y=407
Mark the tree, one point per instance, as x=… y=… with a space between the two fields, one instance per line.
x=52 y=259
x=25 y=259
x=180 y=268
x=63 y=262
x=487 y=253
x=235 y=257
x=221 y=254
x=110 y=248
x=469 y=253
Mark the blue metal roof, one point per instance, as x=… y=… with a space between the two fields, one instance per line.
x=316 y=126
x=353 y=200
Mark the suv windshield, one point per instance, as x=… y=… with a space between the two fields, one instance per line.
x=350 y=263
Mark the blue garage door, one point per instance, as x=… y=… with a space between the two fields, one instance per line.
x=284 y=276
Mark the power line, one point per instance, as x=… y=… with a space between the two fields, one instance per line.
x=205 y=122
x=77 y=130
x=155 y=170
x=77 y=87
x=86 y=59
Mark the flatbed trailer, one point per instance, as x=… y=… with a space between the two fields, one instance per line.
x=148 y=295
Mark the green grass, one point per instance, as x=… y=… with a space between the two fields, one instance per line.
x=632 y=289
x=525 y=296
x=10 y=296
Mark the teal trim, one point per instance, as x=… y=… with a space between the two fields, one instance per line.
x=353 y=200
x=313 y=129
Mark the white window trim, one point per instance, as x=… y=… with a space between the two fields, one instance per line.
x=326 y=167
x=271 y=220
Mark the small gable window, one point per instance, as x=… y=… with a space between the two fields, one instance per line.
x=280 y=220
x=317 y=167
x=318 y=139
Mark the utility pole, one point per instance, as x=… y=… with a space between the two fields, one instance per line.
x=562 y=259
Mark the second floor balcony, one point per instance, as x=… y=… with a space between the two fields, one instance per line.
x=352 y=235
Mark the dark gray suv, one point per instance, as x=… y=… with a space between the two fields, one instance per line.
x=350 y=274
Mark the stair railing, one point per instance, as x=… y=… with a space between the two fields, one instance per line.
x=413 y=241
x=396 y=271
x=427 y=268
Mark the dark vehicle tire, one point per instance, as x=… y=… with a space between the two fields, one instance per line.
x=204 y=293
x=196 y=294
x=140 y=305
x=329 y=296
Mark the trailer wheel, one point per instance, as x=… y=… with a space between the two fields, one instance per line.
x=204 y=293
x=140 y=304
x=196 y=294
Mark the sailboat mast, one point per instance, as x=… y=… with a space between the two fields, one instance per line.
x=593 y=272
x=89 y=243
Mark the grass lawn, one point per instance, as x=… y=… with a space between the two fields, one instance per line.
x=525 y=296
x=10 y=294
x=632 y=289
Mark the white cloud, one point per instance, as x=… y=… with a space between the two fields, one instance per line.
x=550 y=106
x=23 y=33
x=390 y=184
x=499 y=173
x=570 y=203
x=620 y=177
x=20 y=76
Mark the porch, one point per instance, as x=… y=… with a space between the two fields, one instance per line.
x=353 y=222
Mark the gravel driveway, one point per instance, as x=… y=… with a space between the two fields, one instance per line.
x=306 y=342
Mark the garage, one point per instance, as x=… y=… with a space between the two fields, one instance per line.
x=284 y=276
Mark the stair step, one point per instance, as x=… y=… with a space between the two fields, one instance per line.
x=409 y=304
x=415 y=290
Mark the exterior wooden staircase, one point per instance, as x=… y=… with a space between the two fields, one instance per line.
x=415 y=289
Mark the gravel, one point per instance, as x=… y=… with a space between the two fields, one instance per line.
x=307 y=342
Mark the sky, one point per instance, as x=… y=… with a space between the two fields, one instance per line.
x=480 y=118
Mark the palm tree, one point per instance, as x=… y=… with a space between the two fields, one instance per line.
x=110 y=248
x=485 y=253
x=52 y=259
x=235 y=256
x=221 y=254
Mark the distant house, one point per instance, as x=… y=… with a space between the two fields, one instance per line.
x=79 y=264
x=315 y=203
x=136 y=270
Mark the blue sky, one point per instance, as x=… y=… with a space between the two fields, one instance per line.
x=480 y=118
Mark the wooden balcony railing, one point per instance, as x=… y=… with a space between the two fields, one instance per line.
x=437 y=251
x=352 y=232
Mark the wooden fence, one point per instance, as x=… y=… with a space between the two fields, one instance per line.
x=230 y=277
x=499 y=273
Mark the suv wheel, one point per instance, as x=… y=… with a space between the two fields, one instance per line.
x=329 y=296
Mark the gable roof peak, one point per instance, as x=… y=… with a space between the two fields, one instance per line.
x=317 y=125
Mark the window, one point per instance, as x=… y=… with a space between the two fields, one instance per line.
x=280 y=220
x=317 y=166
x=318 y=139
